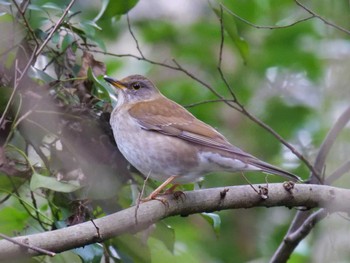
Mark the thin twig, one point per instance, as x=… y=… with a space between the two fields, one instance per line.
x=203 y=83
x=178 y=67
x=302 y=216
x=265 y=27
x=36 y=51
x=306 y=227
x=206 y=102
x=8 y=105
x=16 y=84
x=222 y=41
x=291 y=241
x=133 y=36
x=21 y=244
x=339 y=172
x=26 y=22
x=139 y=199
x=24 y=5
x=58 y=23
x=35 y=205
x=16 y=192
x=321 y=18
x=329 y=142
x=242 y=109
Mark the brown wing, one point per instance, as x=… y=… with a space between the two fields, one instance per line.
x=172 y=119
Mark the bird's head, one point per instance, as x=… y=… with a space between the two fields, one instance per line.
x=133 y=89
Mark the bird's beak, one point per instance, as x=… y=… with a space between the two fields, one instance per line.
x=116 y=83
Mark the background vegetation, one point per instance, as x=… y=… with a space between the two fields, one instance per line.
x=241 y=66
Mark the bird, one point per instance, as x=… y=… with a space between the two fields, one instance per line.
x=167 y=143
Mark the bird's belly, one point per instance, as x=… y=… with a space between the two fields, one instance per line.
x=156 y=155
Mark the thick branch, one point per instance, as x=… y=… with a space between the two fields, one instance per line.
x=207 y=200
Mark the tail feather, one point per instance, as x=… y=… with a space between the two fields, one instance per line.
x=268 y=168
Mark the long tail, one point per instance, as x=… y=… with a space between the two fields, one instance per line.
x=268 y=168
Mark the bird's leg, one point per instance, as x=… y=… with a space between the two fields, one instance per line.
x=156 y=192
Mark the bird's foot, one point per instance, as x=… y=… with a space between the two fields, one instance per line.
x=157 y=195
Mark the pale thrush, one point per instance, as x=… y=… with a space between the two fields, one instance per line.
x=164 y=141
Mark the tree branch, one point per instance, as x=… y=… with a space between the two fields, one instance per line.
x=207 y=200
x=303 y=217
x=291 y=241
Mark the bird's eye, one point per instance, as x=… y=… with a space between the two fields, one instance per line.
x=136 y=86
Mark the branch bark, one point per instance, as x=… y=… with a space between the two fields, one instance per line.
x=333 y=199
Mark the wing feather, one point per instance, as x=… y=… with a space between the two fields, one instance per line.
x=171 y=119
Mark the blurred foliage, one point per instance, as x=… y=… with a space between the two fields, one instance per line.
x=59 y=163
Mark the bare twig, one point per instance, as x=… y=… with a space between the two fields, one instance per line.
x=291 y=241
x=36 y=52
x=9 y=103
x=58 y=23
x=265 y=27
x=16 y=192
x=21 y=12
x=339 y=172
x=133 y=36
x=303 y=216
x=329 y=141
x=240 y=107
x=222 y=40
x=24 y=5
x=177 y=67
x=41 y=223
x=321 y=18
x=34 y=248
x=205 y=102
x=203 y=83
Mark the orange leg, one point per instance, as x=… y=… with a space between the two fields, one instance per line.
x=156 y=192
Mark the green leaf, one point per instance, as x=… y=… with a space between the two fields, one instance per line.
x=101 y=87
x=102 y=10
x=7 y=184
x=89 y=29
x=34 y=7
x=91 y=24
x=40 y=181
x=67 y=41
x=131 y=249
x=166 y=234
x=12 y=220
x=53 y=6
x=56 y=38
x=230 y=26
x=81 y=33
x=120 y=7
x=39 y=21
x=39 y=74
x=214 y=220
x=91 y=253
x=5 y=94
